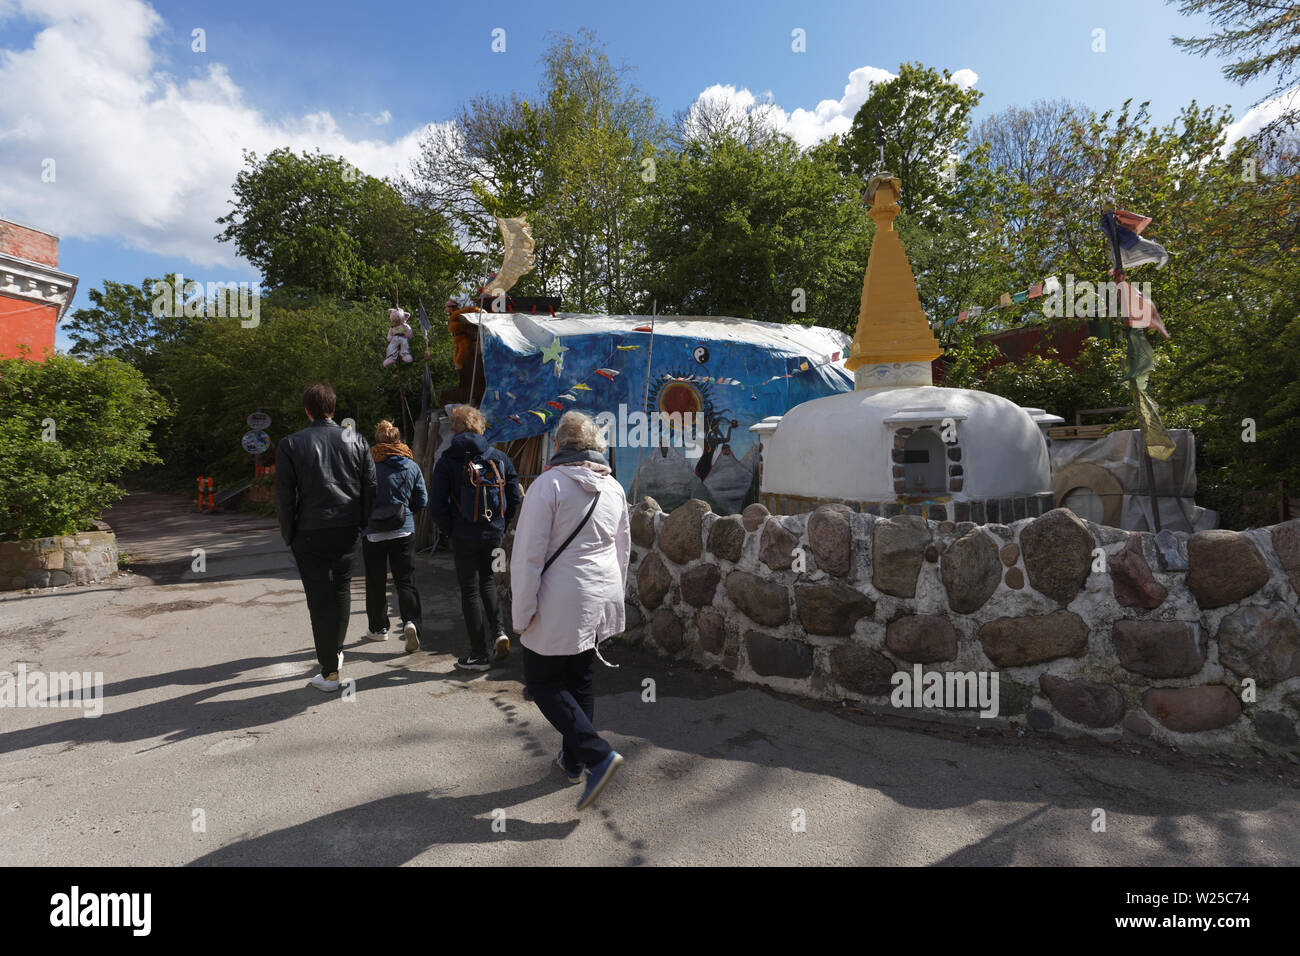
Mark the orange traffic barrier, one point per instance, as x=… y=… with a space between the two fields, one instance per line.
x=211 y=505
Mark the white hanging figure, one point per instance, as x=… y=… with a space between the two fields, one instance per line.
x=399 y=335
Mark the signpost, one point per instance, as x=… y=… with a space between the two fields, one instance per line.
x=256 y=441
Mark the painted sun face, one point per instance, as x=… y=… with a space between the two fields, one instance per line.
x=679 y=398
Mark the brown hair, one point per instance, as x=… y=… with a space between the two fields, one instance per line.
x=319 y=400
x=386 y=433
x=467 y=418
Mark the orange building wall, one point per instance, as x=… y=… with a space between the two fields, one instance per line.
x=29 y=323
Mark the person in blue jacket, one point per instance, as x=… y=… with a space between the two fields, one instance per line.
x=389 y=538
x=473 y=497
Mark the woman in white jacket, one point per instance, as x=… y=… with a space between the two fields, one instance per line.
x=574 y=517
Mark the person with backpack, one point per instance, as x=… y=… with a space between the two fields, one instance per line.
x=473 y=497
x=389 y=538
x=568 y=576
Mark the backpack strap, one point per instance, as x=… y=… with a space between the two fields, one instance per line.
x=581 y=525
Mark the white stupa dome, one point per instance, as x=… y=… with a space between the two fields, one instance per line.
x=898 y=443
x=842 y=447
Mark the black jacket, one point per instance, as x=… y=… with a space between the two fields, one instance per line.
x=324 y=478
x=444 y=489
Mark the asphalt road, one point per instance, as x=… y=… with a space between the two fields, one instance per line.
x=212 y=749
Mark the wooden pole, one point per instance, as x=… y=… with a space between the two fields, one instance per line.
x=1151 y=488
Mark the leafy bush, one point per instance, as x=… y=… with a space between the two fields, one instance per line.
x=68 y=430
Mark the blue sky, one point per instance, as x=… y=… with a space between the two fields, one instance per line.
x=146 y=133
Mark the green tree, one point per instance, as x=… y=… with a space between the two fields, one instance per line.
x=315 y=223
x=747 y=224
x=925 y=118
x=570 y=158
x=224 y=371
x=70 y=429
x=121 y=322
x=1262 y=38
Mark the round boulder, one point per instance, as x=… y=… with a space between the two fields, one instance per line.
x=832 y=609
x=1084 y=701
x=1131 y=578
x=971 y=571
x=1057 y=549
x=776 y=546
x=652 y=581
x=642 y=522
x=1016 y=641
x=681 y=535
x=898 y=547
x=727 y=538
x=1223 y=567
x=762 y=601
x=922 y=638
x=830 y=536
x=1192 y=709
x=666 y=631
x=1261 y=642
x=699 y=584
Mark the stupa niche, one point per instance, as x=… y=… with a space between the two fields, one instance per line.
x=898 y=443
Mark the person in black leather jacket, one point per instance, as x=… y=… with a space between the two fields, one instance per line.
x=324 y=491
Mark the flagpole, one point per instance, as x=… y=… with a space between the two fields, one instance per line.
x=645 y=399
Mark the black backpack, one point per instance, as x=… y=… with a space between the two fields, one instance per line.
x=482 y=490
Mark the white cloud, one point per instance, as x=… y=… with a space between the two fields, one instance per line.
x=965 y=78
x=828 y=118
x=140 y=155
x=1258 y=117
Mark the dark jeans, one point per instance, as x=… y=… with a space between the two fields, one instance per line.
x=478 y=592
x=324 y=560
x=399 y=555
x=563 y=690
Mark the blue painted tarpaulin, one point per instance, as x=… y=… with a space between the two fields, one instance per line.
x=726 y=373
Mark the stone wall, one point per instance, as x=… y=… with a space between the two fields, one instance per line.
x=83 y=558
x=1103 y=642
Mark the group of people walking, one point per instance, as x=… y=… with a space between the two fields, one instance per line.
x=568 y=564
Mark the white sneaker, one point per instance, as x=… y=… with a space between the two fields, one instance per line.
x=326 y=684
x=377 y=635
x=412 y=637
x=501 y=647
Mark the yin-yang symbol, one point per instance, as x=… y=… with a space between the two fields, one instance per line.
x=701 y=354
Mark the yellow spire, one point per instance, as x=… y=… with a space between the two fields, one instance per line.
x=892 y=328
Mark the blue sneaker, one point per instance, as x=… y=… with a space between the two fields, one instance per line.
x=598 y=776
x=573 y=776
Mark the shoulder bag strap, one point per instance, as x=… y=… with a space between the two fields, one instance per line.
x=581 y=525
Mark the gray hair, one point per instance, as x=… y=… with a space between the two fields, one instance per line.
x=577 y=430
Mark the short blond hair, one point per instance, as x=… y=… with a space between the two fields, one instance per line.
x=577 y=430
x=386 y=433
x=467 y=418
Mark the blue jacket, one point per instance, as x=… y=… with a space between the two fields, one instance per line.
x=444 y=495
x=397 y=478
